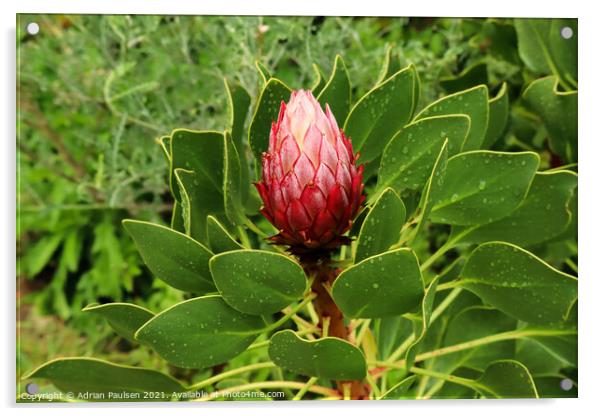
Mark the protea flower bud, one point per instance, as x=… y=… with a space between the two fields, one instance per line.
x=311 y=187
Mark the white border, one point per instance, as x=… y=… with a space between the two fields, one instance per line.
x=590 y=151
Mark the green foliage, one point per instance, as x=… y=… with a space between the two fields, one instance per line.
x=124 y=318
x=379 y=114
x=172 y=256
x=382 y=226
x=387 y=284
x=519 y=284
x=89 y=376
x=330 y=358
x=200 y=332
x=437 y=296
x=257 y=282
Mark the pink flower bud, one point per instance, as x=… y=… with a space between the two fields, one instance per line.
x=311 y=187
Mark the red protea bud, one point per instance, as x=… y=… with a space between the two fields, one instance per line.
x=311 y=187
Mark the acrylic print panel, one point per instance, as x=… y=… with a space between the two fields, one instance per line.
x=296 y=208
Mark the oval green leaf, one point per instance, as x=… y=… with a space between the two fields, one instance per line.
x=337 y=91
x=519 y=284
x=232 y=187
x=379 y=114
x=200 y=332
x=483 y=186
x=203 y=153
x=498 y=117
x=431 y=192
x=507 y=379
x=543 y=214
x=257 y=282
x=330 y=358
x=219 y=238
x=544 y=50
x=410 y=155
x=266 y=112
x=173 y=257
x=384 y=285
x=472 y=102
x=381 y=228
x=558 y=111
x=90 y=375
x=124 y=318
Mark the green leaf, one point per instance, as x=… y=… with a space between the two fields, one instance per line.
x=390 y=64
x=558 y=111
x=257 y=282
x=330 y=358
x=337 y=91
x=124 y=318
x=498 y=117
x=400 y=390
x=219 y=238
x=266 y=112
x=263 y=72
x=232 y=187
x=203 y=153
x=543 y=214
x=239 y=101
x=382 y=226
x=410 y=155
x=177 y=219
x=564 y=51
x=473 y=103
x=90 y=375
x=193 y=210
x=173 y=257
x=543 y=49
x=483 y=186
x=200 y=332
x=519 y=283
x=472 y=76
x=432 y=191
x=506 y=379
x=421 y=327
x=379 y=114
x=384 y=285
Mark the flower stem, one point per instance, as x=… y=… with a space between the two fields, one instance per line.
x=331 y=318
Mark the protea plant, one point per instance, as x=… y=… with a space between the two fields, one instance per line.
x=396 y=314
x=311 y=187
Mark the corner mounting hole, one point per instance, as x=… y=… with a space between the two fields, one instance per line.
x=33 y=28
x=566 y=32
x=566 y=384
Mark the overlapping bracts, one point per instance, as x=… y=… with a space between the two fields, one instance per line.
x=311 y=187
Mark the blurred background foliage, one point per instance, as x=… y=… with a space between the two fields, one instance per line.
x=96 y=92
